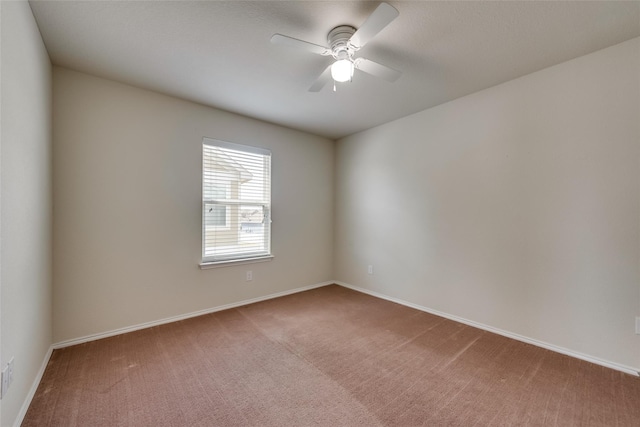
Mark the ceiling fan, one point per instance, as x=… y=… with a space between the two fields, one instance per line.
x=344 y=41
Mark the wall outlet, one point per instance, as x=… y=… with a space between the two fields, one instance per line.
x=249 y=275
x=638 y=325
x=5 y=381
x=370 y=269
x=10 y=371
x=7 y=378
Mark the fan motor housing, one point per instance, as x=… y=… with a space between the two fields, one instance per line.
x=338 y=39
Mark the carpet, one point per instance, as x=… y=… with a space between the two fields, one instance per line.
x=326 y=357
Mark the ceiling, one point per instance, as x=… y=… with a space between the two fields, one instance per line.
x=218 y=53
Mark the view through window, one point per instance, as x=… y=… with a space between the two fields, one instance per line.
x=236 y=201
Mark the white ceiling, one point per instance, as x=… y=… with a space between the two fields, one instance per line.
x=218 y=52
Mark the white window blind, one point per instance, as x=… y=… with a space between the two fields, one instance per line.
x=236 y=201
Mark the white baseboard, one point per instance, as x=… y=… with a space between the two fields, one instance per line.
x=561 y=350
x=151 y=324
x=32 y=390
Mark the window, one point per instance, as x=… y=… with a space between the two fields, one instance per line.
x=236 y=202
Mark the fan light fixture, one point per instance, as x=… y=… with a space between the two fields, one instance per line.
x=342 y=70
x=343 y=42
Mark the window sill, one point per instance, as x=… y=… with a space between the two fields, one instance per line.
x=228 y=263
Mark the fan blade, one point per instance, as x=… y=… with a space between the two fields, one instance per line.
x=378 y=70
x=300 y=44
x=324 y=78
x=380 y=18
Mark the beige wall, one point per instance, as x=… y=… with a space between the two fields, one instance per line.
x=127 y=207
x=517 y=207
x=25 y=226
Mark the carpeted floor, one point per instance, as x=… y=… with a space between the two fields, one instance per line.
x=326 y=357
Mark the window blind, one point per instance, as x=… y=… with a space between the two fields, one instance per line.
x=236 y=201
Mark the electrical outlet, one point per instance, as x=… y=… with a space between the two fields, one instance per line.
x=370 y=269
x=5 y=381
x=10 y=365
x=7 y=378
x=249 y=275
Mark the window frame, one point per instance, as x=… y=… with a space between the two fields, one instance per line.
x=240 y=257
x=227 y=211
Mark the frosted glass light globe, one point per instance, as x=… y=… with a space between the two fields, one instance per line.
x=342 y=70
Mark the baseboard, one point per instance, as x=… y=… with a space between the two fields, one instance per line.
x=94 y=337
x=557 y=349
x=32 y=390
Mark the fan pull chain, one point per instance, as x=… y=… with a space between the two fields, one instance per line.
x=334 y=85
